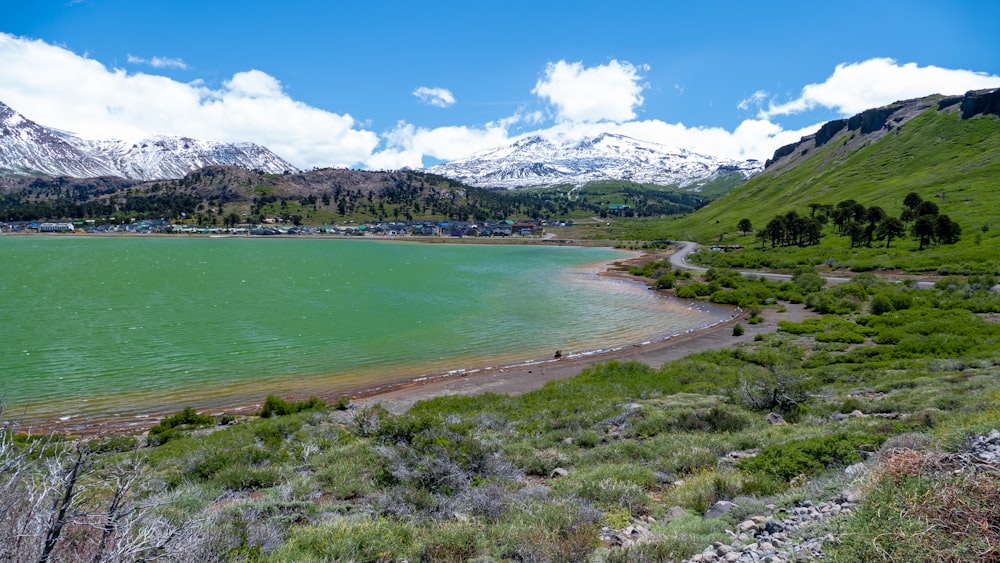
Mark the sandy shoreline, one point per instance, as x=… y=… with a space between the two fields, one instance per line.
x=528 y=378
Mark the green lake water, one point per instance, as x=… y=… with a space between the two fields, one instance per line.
x=95 y=327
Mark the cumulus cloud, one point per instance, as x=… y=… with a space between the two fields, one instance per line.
x=406 y=145
x=159 y=62
x=438 y=97
x=855 y=87
x=61 y=89
x=58 y=88
x=610 y=92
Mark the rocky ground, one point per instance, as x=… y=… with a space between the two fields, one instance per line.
x=788 y=534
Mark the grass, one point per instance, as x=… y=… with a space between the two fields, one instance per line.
x=464 y=477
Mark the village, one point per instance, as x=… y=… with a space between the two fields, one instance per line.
x=272 y=227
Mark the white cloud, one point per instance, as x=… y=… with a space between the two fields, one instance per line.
x=855 y=87
x=407 y=144
x=755 y=100
x=159 y=62
x=610 y=92
x=58 y=88
x=438 y=97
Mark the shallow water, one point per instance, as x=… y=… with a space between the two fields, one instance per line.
x=97 y=327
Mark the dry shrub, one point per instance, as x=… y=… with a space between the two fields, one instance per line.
x=957 y=505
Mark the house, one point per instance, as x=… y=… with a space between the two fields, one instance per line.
x=55 y=228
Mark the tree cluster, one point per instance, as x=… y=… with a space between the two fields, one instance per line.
x=791 y=229
x=862 y=225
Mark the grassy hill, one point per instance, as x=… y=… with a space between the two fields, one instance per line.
x=937 y=154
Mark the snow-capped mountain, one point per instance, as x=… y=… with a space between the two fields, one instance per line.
x=537 y=161
x=29 y=149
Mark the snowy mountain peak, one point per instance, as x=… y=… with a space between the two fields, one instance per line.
x=535 y=161
x=29 y=149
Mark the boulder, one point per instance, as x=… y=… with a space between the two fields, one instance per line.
x=718 y=509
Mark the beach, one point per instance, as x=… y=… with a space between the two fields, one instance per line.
x=519 y=380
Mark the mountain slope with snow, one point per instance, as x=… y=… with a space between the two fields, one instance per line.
x=29 y=149
x=537 y=161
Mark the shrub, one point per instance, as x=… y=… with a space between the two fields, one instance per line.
x=809 y=456
x=239 y=478
x=621 y=486
x=113 y=444
x=588 y=439
x=699 y=491
x=738 y=329
x=923 y=508
x=276 y=406
x=169 y=427
x=880 y=305
x=359 y=540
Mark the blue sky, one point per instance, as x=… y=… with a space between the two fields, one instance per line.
x=381 y=84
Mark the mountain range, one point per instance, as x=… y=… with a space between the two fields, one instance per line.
x=30 y=149
x=537 y=161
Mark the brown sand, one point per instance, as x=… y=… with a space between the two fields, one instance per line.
x=522 y=379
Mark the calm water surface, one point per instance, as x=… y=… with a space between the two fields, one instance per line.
x=101 y=327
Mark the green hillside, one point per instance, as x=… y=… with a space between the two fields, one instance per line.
x=954 y=162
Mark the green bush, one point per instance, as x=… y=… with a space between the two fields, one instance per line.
x=169 y=427
x=240 y=478
x=809 y=456
x=361 y=540
x=738 y=329
x=840 y=336
x=618 y=485
x=276 y=406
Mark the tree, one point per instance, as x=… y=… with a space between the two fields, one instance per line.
x=888 y=229
x=907 y=215
x=776 y=231
x=946 y=230
x=924 y=229
x=912 y=200
x=745 y=225
x=856 y=230
x=927 y=208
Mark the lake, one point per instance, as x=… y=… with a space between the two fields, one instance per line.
x=94 y=327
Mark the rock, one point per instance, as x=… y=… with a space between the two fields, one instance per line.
x=855 y=469
x=734 y=456
x=850 y=496
x=718 y=509
x=559 y=472
x=773 y=526
x=775 y=418
x=674 y=513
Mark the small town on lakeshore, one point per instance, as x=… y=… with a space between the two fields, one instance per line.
x=272 y=227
